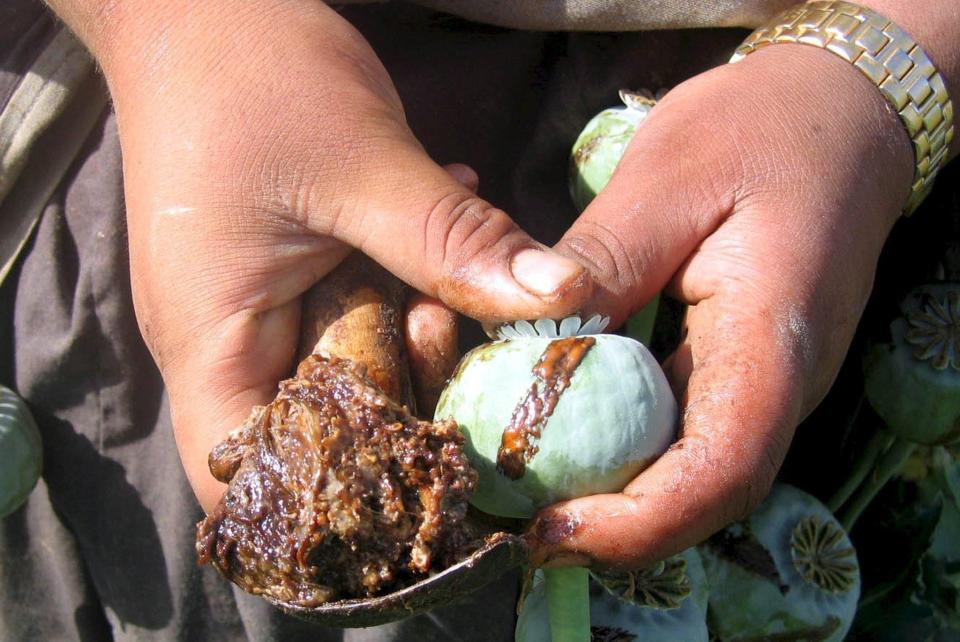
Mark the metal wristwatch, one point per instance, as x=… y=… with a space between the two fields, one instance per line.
x=890 y=59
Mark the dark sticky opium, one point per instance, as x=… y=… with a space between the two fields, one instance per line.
x=552 y=373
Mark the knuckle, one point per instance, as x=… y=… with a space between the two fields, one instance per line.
x=462 y=228
x=606 y=255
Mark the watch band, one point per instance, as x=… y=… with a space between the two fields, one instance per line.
x=890 y=59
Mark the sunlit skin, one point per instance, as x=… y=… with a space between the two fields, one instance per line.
x=761 y=206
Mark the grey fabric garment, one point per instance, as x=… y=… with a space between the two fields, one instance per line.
x=103 y=549
x=609 y=15
x=56 y=80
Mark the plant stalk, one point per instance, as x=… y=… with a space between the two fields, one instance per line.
x=568 y=589
x=889 y=463
x=879 y=442
x=568 y=601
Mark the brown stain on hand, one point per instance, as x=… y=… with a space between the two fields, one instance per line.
x=548 y=538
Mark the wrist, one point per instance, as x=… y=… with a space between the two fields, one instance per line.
x=142 y=42
x=843 y=124
x=899 y=68
x=935 y=26
x=125 y=32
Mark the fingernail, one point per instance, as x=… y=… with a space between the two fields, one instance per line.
x=543 y=273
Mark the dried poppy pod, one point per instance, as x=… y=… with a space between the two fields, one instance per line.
x=788 y=571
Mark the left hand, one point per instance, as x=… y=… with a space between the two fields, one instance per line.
x=759 y=194
x=262 y=142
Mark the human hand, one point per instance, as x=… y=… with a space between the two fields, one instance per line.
x=759 y=194
x=261 y=144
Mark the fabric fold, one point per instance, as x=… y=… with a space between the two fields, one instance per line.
x=42 y=126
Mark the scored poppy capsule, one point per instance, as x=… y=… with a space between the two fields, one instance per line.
x=557 y=411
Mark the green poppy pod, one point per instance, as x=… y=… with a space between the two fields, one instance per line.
x=601 y=144
x=913 y=380
x=21 y=453
x=552 y=413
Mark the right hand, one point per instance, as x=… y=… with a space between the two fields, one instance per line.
x=261 y=143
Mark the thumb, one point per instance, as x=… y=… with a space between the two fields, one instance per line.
x=651 y=216
x=437 y=235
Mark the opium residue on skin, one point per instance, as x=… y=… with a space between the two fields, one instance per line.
x=552 y=374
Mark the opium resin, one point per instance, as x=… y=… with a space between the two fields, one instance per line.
x=336 y=491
